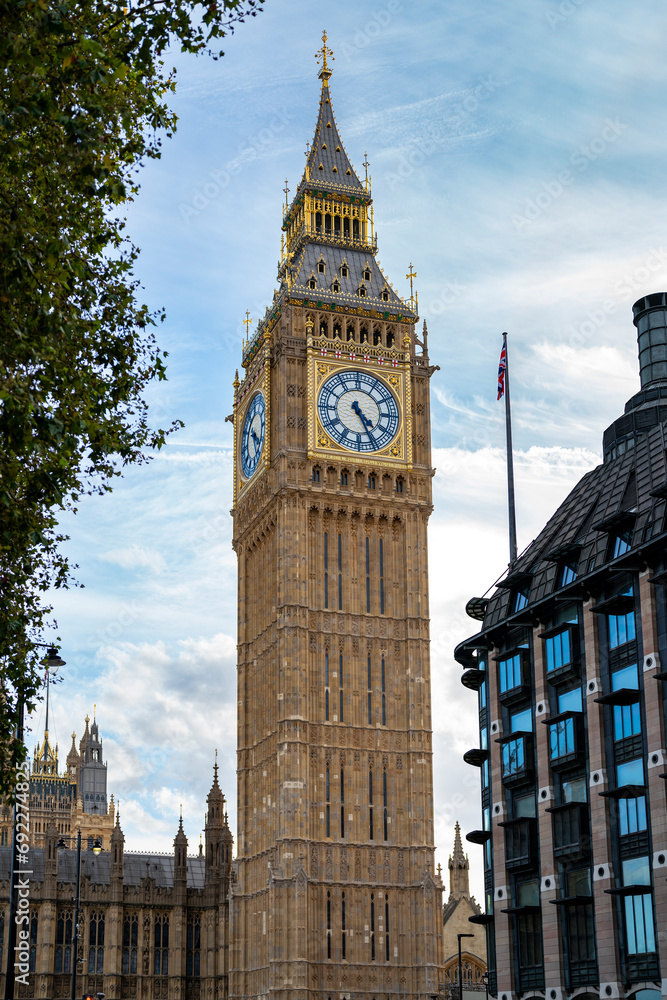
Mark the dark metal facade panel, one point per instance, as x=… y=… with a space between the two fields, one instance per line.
x=612 y=484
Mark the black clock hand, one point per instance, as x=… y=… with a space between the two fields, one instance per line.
x=366 y=420
x=255 y=437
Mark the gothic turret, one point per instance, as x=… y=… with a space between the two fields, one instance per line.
x=73 y=762
x=93 y=786
x=219 y=839
x=459 y=884
x=180 y=855
x=117 y=848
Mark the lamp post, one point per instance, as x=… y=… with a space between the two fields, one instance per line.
x=458 y=938
x=97 y=847
x=19 y=858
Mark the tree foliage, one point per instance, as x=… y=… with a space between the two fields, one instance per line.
x=83 y=103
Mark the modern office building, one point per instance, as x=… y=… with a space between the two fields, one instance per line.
x=569 y=669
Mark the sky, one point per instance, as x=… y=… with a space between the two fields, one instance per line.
x=517 y=153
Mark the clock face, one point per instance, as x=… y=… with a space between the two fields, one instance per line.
x=358 y=411
x=252 y=438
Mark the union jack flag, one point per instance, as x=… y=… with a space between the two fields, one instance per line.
x=502 y=367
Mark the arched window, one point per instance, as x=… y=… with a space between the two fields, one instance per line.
x=346 y=227
x=316 y=474
x=337 y=225
x=161 y=958
x=96 y=943
x=318 y=222
x=355 y=228
x=327 y=224
x=321 y=266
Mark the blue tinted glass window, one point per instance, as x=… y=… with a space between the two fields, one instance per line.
x=626 y=678
x=631 y=815
x=485 y=774
x=621 y=629
x=482 y=695
x=631 y=773
x=636 y=871
x=522 y=722
x=558 y=650
x=627 y=721
x=520 y=600
x=561 y=738
x=570 y=701
x=513 y=757
x=639 y=927
x=484 y=738
x=568 y=574
x=622 y=543
x=510 y=673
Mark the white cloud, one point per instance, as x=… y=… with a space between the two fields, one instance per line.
x=135 y=557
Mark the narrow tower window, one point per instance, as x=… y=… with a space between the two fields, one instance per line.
x=370 y=691
x=386 y=928
x=342 y=923
x=384 y=705
x=326 y=569
x=340 y=565
x=381 y=577
x=328 y=925
x=326 y=687
x=368 y=576
x=340 y=681
x=370 y=805
x=384 y=802
x=342 y=802
x=328 y=807
x=372 y=927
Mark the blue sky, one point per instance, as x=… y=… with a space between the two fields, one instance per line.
x=517 y=155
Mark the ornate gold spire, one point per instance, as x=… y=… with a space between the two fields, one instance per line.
x=322 y=54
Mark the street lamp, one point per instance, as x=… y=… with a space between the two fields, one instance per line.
x=97 y=847
x=458 y=938
x=50 y=661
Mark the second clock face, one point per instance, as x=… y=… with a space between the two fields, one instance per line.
x=358 y=411
x=252 y=438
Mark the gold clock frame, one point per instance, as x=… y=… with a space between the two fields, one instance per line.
x=257 y=380
x=391 y=367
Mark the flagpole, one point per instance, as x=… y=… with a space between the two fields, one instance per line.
x=510 y=460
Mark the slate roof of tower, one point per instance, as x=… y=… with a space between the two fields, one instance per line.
x=625 y=485
x=330 y=165
x=306 y=267
x=98 y=868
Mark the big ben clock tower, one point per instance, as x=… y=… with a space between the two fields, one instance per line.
x=335 y=893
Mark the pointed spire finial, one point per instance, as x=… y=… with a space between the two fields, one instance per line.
x=286 y=190
x=247 y=322
x=411 y=275
x=322 y=54
x=366 y=165
x=215 y=767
